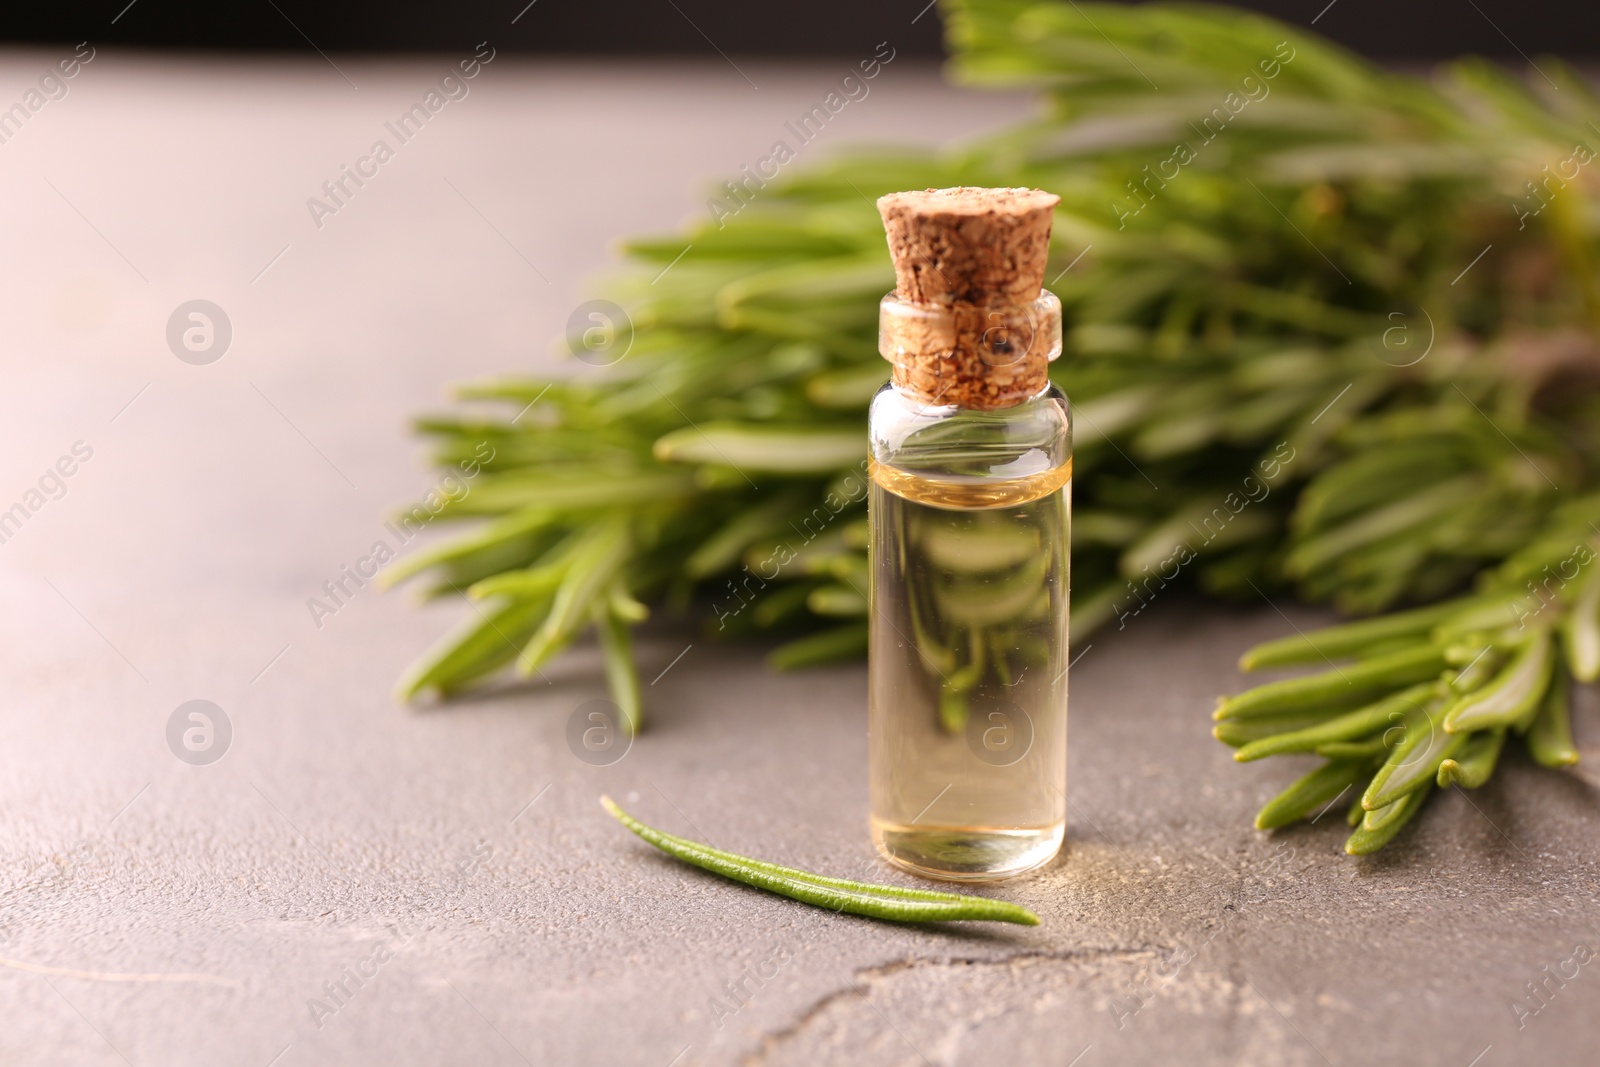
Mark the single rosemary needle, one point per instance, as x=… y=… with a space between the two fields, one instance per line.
x=837 y=894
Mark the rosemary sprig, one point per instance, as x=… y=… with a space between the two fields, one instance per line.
x=1508 y=676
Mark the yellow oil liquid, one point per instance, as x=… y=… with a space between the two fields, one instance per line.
x=968 y=671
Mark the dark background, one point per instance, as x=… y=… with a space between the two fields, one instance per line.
x=1390 y=29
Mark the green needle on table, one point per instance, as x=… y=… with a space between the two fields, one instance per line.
x=837 y=894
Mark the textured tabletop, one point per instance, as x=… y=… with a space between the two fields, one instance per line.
x=353 y=882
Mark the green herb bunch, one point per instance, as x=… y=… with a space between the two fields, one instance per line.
x=1330 y=331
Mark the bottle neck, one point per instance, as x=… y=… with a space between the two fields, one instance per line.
x=977 y=358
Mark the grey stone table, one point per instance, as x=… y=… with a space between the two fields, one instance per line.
x=358 y=883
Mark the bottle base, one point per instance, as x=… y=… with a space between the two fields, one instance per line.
x=966 y=853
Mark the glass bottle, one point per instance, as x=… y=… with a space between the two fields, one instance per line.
x=970 y=519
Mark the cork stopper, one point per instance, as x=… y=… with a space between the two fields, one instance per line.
x=984 y=247
x=967 y=323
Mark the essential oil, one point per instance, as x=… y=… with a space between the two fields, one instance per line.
x=971 y=467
